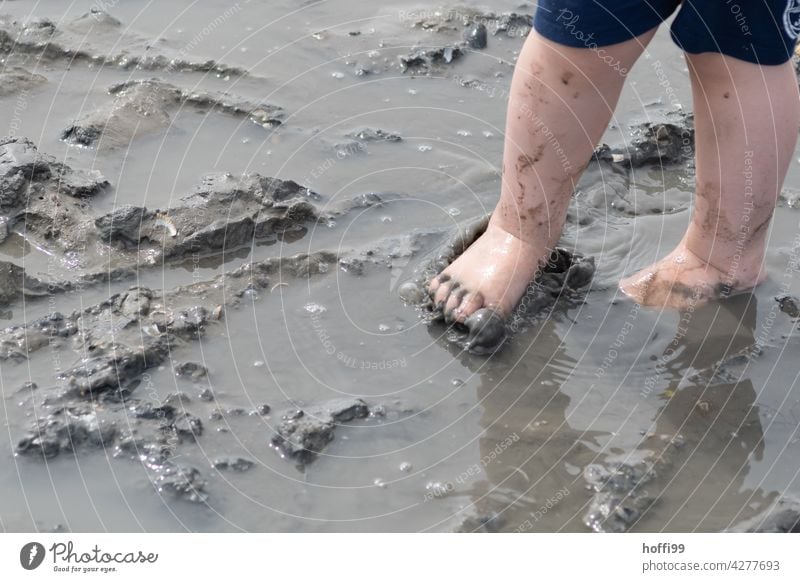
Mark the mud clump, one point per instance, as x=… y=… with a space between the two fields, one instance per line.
x=423 y=60
x=49 y=198
x=90 y=38
x=142 y=107
x=67 y=429
x=223 y=213
x=619 y=496
x=302 y=434
x=52 y=203
x=15 y=284
x=789 y=305
x=783 y=516
x=654 y=144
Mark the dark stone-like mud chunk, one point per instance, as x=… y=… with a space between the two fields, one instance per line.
x=476 y=36
x=237 y=464
x=304 y=433
x=123 y=223
x=654 y=144
x=789 y=305
x=191 y=370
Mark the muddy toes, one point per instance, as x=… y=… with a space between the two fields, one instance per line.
x=487 y=331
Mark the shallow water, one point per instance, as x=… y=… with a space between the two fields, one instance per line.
x=508 y=436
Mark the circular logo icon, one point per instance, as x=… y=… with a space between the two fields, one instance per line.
x=791 y=18
x=31 y=555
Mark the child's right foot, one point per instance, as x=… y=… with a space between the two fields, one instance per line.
x=492 y=273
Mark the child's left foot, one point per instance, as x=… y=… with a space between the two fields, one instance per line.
x=682 y=280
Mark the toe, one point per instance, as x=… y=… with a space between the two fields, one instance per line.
x=468 y=305
x=436 y=283
x=443 y=293
x=453 y=301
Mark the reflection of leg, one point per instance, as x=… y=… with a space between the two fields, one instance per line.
x=561 y=101
x=746 y=121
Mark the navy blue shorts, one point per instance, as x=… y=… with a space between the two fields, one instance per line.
x=757 y=31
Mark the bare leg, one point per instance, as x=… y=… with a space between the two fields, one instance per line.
x=746 y=124
x=561 y=101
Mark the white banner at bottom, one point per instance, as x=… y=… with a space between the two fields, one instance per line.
x=405 y=557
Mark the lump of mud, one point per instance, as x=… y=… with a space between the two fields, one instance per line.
x=783 y=516
x=789 y=305
x=66 y=429
x=237 y=464
x=423 y=60
x=15 y=283
x=619 y=498
x=302 y=434
x=15 y=80
x=141 y=107
x=654 y=144
x=91 y=38
x=48 y=197
x=374 y=134
x=191 y=370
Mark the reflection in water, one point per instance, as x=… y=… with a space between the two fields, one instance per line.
x=702 y=437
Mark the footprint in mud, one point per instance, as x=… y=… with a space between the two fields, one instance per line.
x=485 y=331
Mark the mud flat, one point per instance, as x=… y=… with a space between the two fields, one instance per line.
x=214 y=241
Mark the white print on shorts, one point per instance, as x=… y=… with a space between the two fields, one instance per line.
x=791 y=18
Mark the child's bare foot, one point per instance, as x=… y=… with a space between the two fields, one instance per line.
x=492 y=273
x=683 y=280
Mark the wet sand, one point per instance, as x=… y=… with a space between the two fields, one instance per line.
x=596 y=415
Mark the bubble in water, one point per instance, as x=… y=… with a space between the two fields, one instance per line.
x=259 y=363
x=454 y=212
x=438 y=489
x=383 y=327
x=457 y=382
x=464 y=132
x=337 y=75
x=425 y=148
x=488 y=134
x=406 y=467
x=315 y=308
x=412 y=91
x=379 y=483
x=386 y=218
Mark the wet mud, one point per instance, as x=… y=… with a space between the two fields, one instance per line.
x=203 y=239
